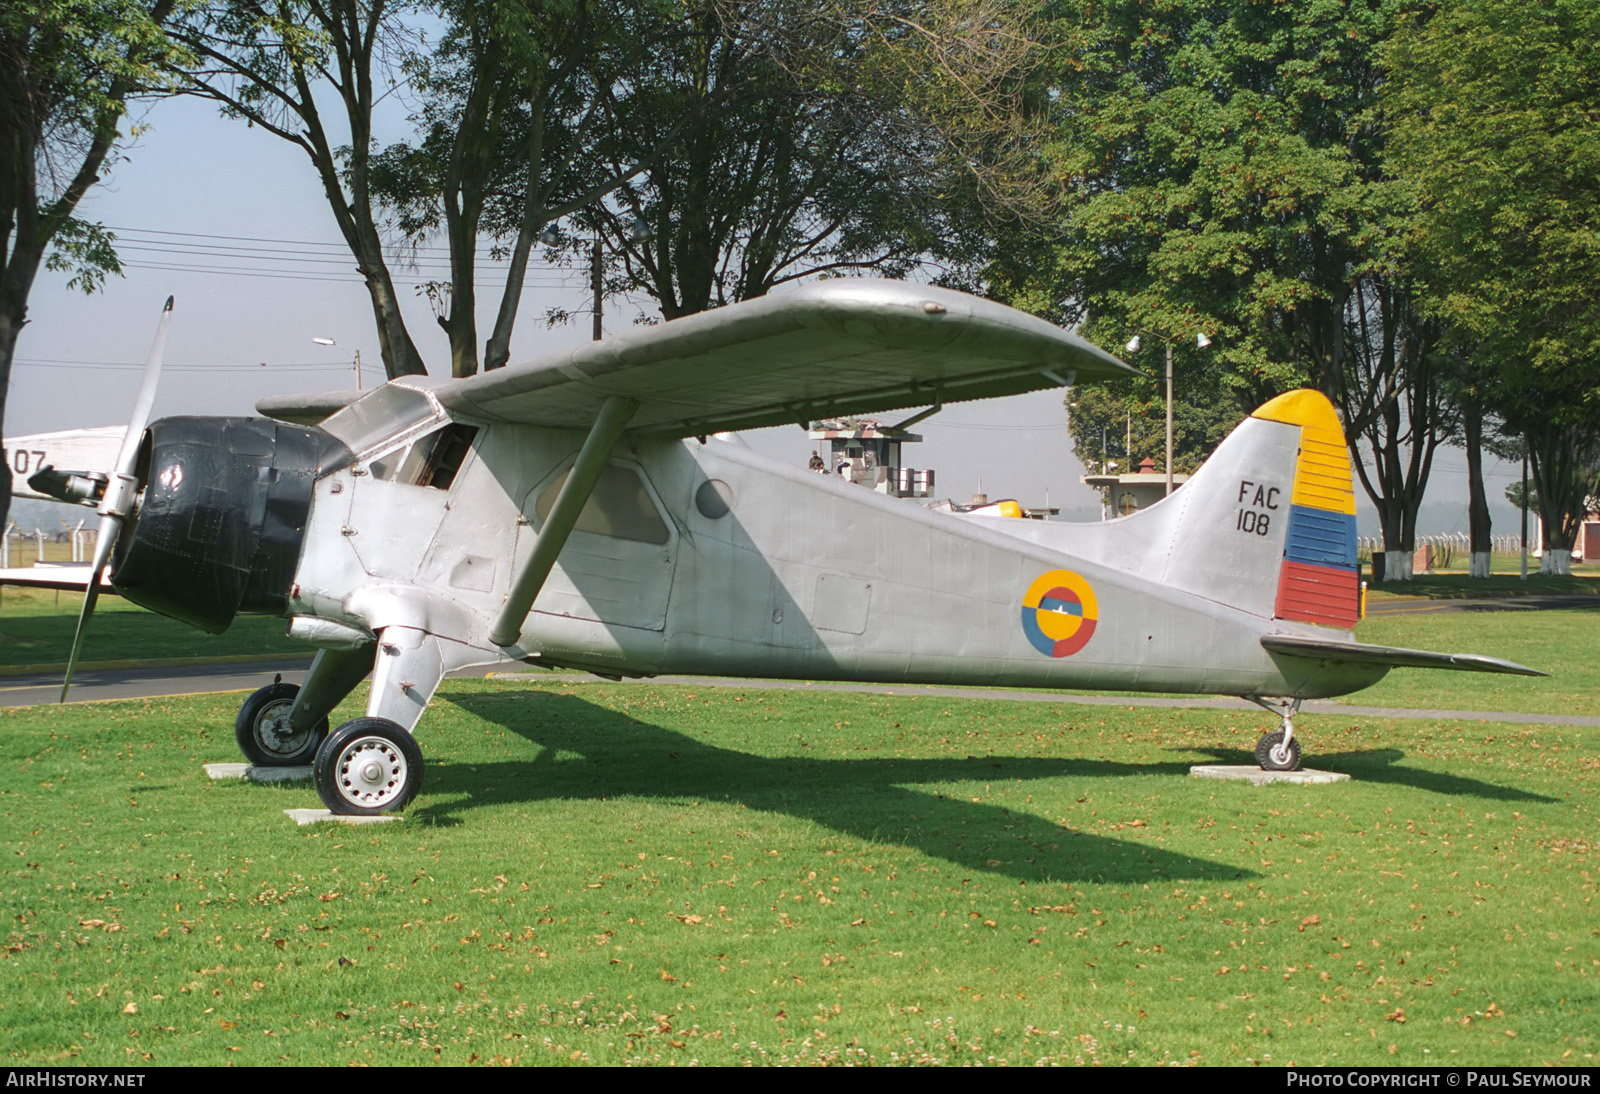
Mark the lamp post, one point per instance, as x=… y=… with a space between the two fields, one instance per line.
x=331 y=342
x=1201 y=342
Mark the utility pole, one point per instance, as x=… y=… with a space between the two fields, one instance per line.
x=1169 y=418
x=595 y=280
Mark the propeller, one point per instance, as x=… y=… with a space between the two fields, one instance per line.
x=121 y=489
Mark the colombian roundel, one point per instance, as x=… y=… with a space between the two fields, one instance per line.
x=1059 y=613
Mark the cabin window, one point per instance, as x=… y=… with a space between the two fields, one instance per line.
x=620 y=506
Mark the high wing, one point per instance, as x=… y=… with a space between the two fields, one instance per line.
x=831 y=347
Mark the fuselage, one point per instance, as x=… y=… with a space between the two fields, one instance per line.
x=701 y=557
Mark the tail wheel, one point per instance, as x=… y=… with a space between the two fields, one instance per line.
x=368 y=766
x=265 y=735
x=1272 y=754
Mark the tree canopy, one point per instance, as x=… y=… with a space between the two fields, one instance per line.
x=68 y=69
x=1494 y=117
x=803 y=163
x=1226 y=173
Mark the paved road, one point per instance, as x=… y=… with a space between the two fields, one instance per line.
x=93 y=685
x=204 y=679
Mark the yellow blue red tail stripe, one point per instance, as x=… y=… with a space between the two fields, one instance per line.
x=1319 y=581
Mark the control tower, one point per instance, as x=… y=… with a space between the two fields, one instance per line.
x=867 y=453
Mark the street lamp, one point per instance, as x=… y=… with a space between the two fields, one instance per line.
x=331 y=342
x=1201 y=342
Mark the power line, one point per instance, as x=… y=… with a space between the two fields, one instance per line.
x=162 y=249
x=159 y=235
x=134 y=366
x=321 y=275
x=307 y=260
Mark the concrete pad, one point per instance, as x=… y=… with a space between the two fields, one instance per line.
x=303 y=817
x=259 y=774
x=1256 y=777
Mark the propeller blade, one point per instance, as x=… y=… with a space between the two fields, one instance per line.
x=110 y=529
x=146 y=397
x=116 y=506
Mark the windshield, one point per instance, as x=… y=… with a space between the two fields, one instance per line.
x=382 y=417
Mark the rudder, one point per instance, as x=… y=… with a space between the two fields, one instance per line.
x=1319 y=581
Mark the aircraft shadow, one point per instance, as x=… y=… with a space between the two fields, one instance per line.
x=1382 y=765
x=605 y=754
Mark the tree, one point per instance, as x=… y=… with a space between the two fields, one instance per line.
x=265 y=63
x=518 y=129
x=1126 y=420
x=68 y=69
x=816 y=153
x=1558 y=428
x=786 y=177
x=516 y=104
x=1470 y=384
x=1230 y=178
x=1495 y=120
x=1495 y=110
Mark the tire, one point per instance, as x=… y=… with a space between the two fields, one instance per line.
x=262 y=729
x=367 y=767
x=1271 y=741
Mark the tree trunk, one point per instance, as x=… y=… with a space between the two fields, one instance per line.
x=1559 y=457
x=13 y=313
x=1556 y=562
x=1478 y=520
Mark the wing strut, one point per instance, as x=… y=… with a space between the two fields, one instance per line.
x=603 y=435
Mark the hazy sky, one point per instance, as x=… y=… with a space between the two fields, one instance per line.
x=232 y=222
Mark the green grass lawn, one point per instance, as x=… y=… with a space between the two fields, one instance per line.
x=1505 y=580
x=1448 y=586
x=1561 y=643
x=37 y=625
x=635 y=873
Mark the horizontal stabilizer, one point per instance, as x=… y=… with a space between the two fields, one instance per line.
x=1323 y=649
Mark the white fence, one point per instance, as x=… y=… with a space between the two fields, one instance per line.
x=1455 y=542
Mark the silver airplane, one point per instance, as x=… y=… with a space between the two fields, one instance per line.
x=588 y=510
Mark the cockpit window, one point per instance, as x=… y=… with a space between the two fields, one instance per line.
x=381 y=418
x=430 y=461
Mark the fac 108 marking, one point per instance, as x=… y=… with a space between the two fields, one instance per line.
x=1255 y=515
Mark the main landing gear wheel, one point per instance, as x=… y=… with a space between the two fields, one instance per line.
x=264 y=734
x=368 y=766
x=1274 y=755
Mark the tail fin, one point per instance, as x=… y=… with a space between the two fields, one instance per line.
x=1268 y=523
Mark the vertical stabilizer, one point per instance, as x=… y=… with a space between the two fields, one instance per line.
x=1319 y=581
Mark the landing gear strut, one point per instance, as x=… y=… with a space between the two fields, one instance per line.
x=1279 y=751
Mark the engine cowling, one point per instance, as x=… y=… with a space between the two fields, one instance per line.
x=220 y=524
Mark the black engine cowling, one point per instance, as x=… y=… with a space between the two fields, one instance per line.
x=219 y=528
